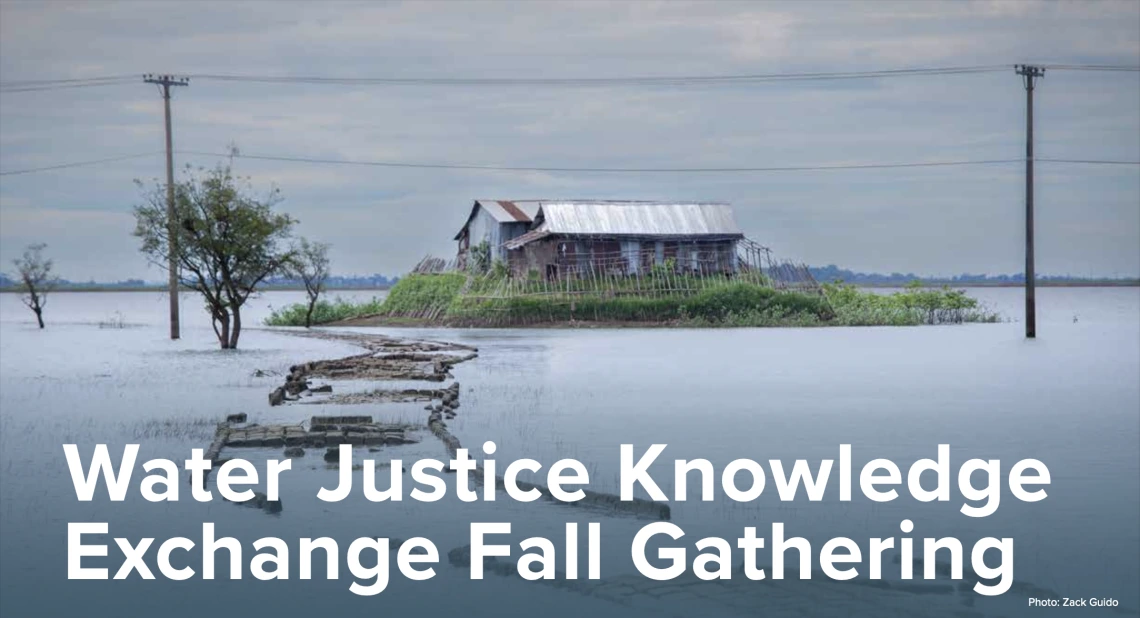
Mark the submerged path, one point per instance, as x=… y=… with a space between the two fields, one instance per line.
x=387 y=359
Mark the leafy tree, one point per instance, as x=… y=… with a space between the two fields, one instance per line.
x=36 y=279
x=226 y=240
x=310 y=264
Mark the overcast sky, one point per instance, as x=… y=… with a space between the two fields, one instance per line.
x=942 y=220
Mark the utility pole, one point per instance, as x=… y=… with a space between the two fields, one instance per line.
x=165 y=82
x=1029 y=75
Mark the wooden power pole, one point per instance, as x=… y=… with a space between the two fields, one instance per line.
x=1029 y=75
x=165 y=82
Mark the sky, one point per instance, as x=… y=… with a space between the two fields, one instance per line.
x=933 y=221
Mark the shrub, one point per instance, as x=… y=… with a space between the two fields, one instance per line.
x=912 y=306
x=733 y=303
x=422 y=295
x=743 y=299
x=479 y=260
x=324 y=312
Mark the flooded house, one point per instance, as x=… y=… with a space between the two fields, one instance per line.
x=561 y=238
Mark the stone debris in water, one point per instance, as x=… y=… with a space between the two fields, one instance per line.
x=221 y=434
x=431 y=368
x=384 y=344
x=339 y=420
x=382 y=395
x=395 y=359
x=320 y=436
x=387 y=359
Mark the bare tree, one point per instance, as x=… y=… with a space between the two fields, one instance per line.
x=36 y=279
x=227 y=241
x=310 y=264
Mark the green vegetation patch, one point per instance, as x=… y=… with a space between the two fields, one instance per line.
x=721 y=302
x=423 y=296
x=736 y=300
x=913 y=306
x=504 y=311
x=324 y=312
x=494 y=300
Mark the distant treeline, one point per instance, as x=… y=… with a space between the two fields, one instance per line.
x=823 y=274
x=831 y=272
x=368 y=282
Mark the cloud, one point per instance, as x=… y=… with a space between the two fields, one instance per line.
x=384 y=219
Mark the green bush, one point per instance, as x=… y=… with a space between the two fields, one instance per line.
x=720 y=303
x=422 y=295
x=912 y=306
x=479 y=258
x=747 y=299
x=324 y=312
x=771 y=317
x=717 y=303
x=555 y=308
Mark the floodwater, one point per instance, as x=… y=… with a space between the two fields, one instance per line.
x=104 y=372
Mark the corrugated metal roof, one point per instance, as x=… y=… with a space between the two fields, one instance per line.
x=503 y=211
x=612 y=218
x=515 y=211
x=644 y=219
x=639 y=218
x=506 y=211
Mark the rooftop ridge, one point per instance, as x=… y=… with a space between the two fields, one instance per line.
x=603 y=201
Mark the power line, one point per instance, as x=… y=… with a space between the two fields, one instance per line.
x=645 y=80
x=640 y=80
x=44 y=82
x=638 y=170
x=637 y=80
x=62 y=87
x=521 y=168
x=658 y=80
x=515 y=168
x=1092 y=67
x=604 y=81
x=77 y=164
x=59 y=84
x=1088 y=161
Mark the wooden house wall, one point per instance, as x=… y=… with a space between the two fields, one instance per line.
x=558 y=257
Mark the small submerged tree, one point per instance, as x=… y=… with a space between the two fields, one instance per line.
x=36 y=279
x=227 y=242
x=310 y=265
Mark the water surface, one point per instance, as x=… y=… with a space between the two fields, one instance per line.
x=1071 y=399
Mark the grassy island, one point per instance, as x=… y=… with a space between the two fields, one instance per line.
x=494 y=300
